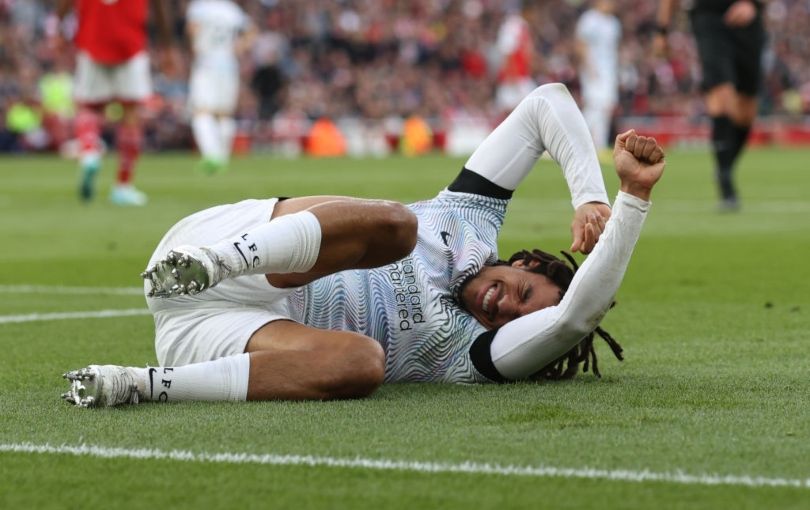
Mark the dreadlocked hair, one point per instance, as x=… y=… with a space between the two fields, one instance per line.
x=567 y=365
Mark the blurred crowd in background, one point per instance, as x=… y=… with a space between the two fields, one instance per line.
x=379 y=62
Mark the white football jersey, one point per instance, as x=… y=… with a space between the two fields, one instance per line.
x=601 y=34
x=410 y=306
x=218 y=23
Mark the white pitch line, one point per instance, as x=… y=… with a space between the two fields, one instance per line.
x=93 y=314
x=622 y=475
x=61 y=289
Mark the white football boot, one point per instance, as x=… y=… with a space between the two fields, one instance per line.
x=186 y=270
x=102 y=386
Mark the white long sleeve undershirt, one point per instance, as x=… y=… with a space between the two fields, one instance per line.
x=525 y=345
x=546 y=120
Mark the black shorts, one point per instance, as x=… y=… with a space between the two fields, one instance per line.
x=729 y=55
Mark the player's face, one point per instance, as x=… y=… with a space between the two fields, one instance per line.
x=499 y=294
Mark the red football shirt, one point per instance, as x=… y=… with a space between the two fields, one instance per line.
x=517 y=38
x=111 y=31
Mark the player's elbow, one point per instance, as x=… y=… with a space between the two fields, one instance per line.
x=579 y=326
x=399 y=226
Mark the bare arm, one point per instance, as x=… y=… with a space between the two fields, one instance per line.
x=192 y=29
x=167 y=54
x=581 y=46
x=741 y=13
x=581 y=52
x=663 y=20
x=666 y=9
x=163 y=20
x=246 y=39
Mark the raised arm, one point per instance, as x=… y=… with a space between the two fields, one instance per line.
x=666 y=10
x=527 y=344
x=168 y=56
x=663 y=21
x=546 y=120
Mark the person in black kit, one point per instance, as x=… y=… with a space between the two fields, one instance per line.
x=730 y=37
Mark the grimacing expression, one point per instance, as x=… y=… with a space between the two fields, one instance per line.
x=500 y=294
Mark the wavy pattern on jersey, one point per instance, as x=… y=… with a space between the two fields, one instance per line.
x=409 y=306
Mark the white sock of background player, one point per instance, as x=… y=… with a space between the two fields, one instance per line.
x=226 y=127
x=207 y=136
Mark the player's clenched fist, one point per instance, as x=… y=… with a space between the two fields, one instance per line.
x=639 y=163
x=645 y=149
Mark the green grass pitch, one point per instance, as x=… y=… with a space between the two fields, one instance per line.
x=714 y=316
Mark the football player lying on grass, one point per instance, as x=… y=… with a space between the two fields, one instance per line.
x=329 y=297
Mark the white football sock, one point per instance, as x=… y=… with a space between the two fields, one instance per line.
x=227 y=130
x=287 y=244
x=206 y=135
x=221 y=379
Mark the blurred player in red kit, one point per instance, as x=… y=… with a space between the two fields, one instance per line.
x=112 y=65
x=516 y=50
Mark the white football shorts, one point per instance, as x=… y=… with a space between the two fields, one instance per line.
x=213 y=91
x=220 y=321
x=99 y=83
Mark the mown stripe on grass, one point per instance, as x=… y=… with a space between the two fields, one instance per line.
x=622 y=475
x=56 y=316
x=62 y=289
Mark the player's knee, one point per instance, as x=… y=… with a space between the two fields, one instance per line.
x=370 y=369
x=549 y=93
x=551 y=89
x=399 y=226
x=361 y=371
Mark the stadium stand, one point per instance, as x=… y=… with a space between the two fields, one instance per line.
x=373 y=64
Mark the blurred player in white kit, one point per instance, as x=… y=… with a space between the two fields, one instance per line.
x=598 y=34
x=219 y=31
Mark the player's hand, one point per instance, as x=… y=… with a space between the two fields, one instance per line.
x=588 y=225
x=740 y=14
x=639 y=163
